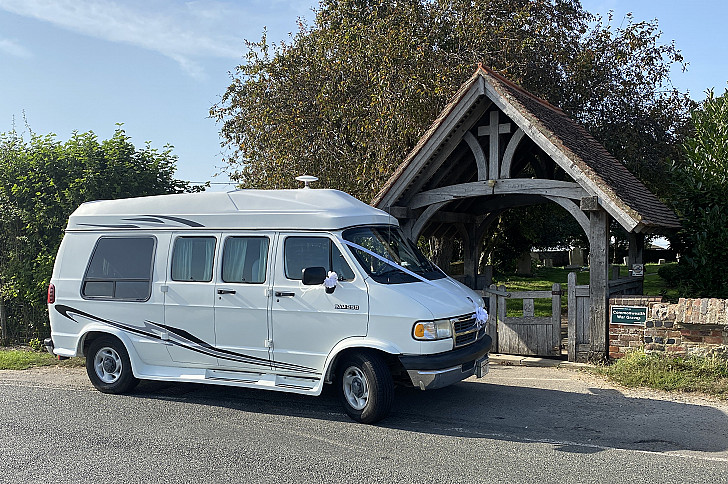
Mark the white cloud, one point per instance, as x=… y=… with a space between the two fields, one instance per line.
x=181 y=31
x=12 y=47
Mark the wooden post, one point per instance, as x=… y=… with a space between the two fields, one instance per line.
x=502 y=301
x=615 y=272
x=636 y=248
x=470 y=258
x=571 y=329
x=493 y=319
x=556 y=317
x=635 y=255
x=598 y=281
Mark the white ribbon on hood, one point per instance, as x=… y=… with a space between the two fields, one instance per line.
x=481 y=315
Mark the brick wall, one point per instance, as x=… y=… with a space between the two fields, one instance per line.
x=688 y=327
x=623 y=337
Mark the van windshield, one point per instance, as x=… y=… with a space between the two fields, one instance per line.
x=390 y=243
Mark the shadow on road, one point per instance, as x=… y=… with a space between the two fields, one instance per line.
x=574 y=422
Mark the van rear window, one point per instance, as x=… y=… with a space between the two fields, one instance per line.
x=120 y=268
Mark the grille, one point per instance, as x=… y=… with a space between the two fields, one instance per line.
x=465 y=329
x=463 y=323
x=464 y=339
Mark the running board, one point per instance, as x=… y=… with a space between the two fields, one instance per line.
x=264 y=380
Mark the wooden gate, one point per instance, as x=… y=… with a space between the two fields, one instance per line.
x=578 y=333
x=527 y=334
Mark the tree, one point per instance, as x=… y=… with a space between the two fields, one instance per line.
x=42 y=181
x=348 y=96
x=700 y=179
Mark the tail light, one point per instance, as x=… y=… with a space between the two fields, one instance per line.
x=51 y=293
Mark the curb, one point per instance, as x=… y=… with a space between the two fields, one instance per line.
x=534 y=361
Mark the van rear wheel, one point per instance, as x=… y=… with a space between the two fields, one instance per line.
x=108 y=366
x=365 y=386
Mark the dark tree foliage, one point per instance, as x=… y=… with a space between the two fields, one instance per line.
x=43 y=180
x=348 y=96
x=700 y=197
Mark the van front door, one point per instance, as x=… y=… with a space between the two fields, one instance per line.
x=190 y=300
x=242 y=302
x=306 y=322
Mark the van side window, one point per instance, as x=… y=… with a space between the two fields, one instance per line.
x=302 y=252
x=120 y=268
x=244 y=259
x=192 y=259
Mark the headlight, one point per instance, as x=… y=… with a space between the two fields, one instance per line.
x=432 y=330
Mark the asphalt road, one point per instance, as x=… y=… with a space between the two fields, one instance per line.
x=517 y=424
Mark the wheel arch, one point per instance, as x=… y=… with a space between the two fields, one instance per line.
x=94 y=332
x=387 y=351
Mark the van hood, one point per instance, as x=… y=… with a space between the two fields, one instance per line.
x=444 y=298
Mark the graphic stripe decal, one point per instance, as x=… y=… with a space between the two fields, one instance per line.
x=183 y=339
x=184 y=221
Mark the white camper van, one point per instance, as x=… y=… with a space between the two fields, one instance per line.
x=273 y=289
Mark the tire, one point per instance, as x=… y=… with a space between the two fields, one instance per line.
x=365 y=387
x=108 y=366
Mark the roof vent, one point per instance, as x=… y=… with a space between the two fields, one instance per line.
x=306 y=179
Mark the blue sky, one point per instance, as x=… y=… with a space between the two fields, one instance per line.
x=158 y=65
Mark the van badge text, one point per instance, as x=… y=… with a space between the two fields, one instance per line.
x=351 y=307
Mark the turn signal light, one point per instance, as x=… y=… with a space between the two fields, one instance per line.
x=51 y=293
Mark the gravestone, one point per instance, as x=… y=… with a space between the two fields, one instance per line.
x=576 y=257
x=524 y=264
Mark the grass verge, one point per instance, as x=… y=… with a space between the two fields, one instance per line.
x=707 y=375
x=20 y=359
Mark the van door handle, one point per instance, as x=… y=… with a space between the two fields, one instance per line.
x=225 y=291
x=285 y=294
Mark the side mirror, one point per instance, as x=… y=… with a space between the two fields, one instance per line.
x=313 y=276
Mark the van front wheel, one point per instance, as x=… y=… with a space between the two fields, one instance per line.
x=108 y=366
x=365 y=387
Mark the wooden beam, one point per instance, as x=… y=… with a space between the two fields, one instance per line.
x=590 y=204
x=441 y=135
x=559 y=156
x=477 y=150
x=510 y=186
x=399 y=212
x=493 y=131
x=575 y=212
x=443 y=150
x=505 y=171
x=419 y=224
x=598 y=281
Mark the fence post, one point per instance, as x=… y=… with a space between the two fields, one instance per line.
x=502 y=302
x=556 y=317
x=571 y=311
x=493 y=319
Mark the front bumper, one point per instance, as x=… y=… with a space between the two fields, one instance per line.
x=429 y=372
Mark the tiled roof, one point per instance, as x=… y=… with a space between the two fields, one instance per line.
x=586 y=154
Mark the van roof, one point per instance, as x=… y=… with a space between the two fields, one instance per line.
x=302 y=209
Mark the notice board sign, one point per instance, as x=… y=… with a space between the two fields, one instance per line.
x=629 y=315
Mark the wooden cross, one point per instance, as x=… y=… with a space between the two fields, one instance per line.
x=493 y=130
